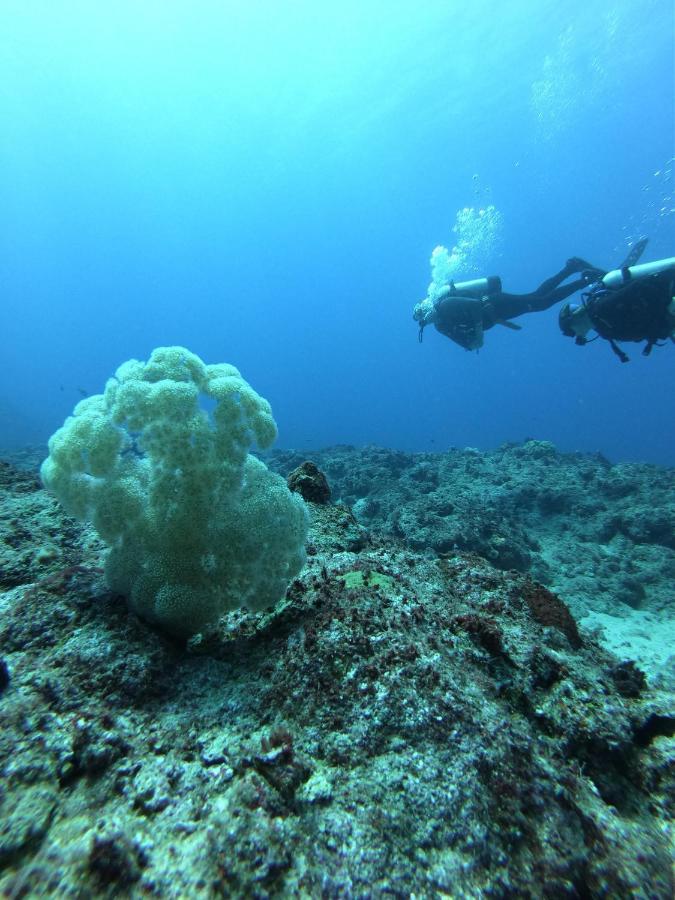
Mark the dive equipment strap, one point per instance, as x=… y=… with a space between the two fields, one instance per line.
x=619 y=352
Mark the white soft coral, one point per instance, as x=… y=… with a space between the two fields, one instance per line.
x=195 y=524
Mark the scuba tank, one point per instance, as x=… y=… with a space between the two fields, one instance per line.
x=618 y=277
x=478 y=287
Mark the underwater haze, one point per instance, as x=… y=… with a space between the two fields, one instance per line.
x=264 y=183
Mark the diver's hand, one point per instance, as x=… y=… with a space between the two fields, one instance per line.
x=577 y=264
x=592 y=276
x=588 y=271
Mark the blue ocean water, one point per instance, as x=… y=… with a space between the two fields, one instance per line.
x=264 y=183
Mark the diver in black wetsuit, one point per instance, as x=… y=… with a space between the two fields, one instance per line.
x=631 y=303
x=465 y=311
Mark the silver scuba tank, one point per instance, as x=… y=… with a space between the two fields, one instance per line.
x=618 y=277
x=478 y=287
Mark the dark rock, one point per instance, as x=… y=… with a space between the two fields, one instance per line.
x=550 y=611
x=310 y=482
x=115 y=860
x=4 y=676
x=629 y=680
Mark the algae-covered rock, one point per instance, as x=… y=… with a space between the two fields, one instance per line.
x=407 y=721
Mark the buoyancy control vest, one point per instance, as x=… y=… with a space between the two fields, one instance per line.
x=633 y=309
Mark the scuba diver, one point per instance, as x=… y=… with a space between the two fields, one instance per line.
x=463 y=312
x=630 y=303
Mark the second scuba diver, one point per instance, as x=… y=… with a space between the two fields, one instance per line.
x=631 y=303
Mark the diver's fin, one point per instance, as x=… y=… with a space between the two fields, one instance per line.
x=634 y=254
x=511 y=325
